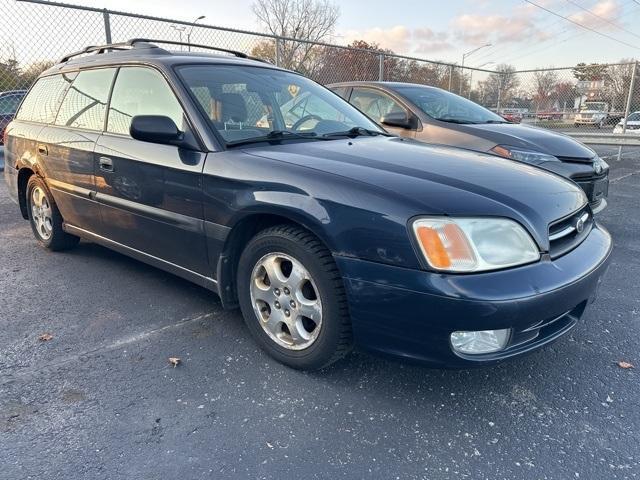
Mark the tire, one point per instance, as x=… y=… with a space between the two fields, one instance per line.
x=285 y=272
x=45 y=218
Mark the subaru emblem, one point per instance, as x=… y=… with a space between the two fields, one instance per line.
x=580 y=225
x=598 y=168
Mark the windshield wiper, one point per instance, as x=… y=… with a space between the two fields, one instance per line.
x=456 y=120
x=497 y=121
x=357 y=132
x=274 y=135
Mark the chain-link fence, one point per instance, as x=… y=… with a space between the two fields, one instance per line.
x=34 y=34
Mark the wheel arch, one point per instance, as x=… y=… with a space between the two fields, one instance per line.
x=241 y=233
x=24 y=174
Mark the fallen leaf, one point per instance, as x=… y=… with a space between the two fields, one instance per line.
x=174 y=361
x=45 y=337
x=625 y=365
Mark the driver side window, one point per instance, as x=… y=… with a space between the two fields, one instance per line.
x=374 y=104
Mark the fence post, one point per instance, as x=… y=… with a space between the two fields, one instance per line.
x=450 y=76
x=277 y=59
x=499 y=93
x=381 y=67
x=629 y=97
x=107 y=26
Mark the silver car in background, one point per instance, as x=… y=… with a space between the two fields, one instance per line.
x=433 y=115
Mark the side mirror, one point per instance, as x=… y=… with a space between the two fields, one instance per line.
x=155 y=129
x=399 y=119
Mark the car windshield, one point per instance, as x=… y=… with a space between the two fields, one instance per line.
x=448 y=107
x=599 y=107
x=9 y=104
x=247 y=104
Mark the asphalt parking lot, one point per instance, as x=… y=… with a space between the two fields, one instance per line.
x=100 y=400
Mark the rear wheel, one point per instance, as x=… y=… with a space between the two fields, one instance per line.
x=45 y=218
x=292 y=298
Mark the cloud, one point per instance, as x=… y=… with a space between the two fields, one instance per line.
x=607 y=9
x=483 y=28
x=402 y=40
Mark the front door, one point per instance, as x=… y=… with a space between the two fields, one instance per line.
x=150 y=195
x=376 y=104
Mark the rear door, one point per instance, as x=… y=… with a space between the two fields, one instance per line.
x=38 y=109
x=67 y=147
x=150 y=194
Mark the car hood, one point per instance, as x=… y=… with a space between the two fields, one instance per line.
x=531 y=138
x=439 y=180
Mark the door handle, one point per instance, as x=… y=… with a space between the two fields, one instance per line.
x=43 y=150
x=106 y=164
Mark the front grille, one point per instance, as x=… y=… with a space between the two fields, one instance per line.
x=569 y=232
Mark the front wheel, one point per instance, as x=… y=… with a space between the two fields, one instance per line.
x=292 y=298
x=45 y=218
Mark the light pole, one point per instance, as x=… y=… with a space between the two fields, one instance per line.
x=191 y=30
x=179 y=29
x=464 y=56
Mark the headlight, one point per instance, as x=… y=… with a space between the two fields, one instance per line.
x=473 y=244
x=526 y=156
x=600 y=165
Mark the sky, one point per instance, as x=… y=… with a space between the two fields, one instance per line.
x=518 y=32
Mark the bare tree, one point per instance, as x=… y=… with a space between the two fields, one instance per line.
x=499 y=87
x=545 y=86
x=618 y=82
x=312 y=20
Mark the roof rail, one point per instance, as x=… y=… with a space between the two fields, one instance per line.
x=132 y=43
x=99 y=49
x=235 y=53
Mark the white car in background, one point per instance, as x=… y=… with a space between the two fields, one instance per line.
x=592 y=113
x=633 y=124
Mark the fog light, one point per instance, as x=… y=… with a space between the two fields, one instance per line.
x=482 y=341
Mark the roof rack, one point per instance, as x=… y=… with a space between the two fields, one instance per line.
x=129 y=44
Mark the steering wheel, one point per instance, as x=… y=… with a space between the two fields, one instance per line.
x=304 y=119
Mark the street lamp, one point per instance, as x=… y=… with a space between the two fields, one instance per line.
x=179 y=29
x=191 y=30
x=464 y=56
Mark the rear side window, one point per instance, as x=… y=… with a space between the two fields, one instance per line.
x=43 y=100
x=85 y=104
x=141 y=91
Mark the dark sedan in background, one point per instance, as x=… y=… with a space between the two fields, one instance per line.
x=9 y=102
x=436 y=116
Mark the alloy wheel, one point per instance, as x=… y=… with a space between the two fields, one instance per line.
x=286 y=301
x=41 y=213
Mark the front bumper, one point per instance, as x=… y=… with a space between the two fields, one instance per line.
x=588 y=121
x=411 y=314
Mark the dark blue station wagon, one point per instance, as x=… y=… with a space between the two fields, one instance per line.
x=326 y=231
